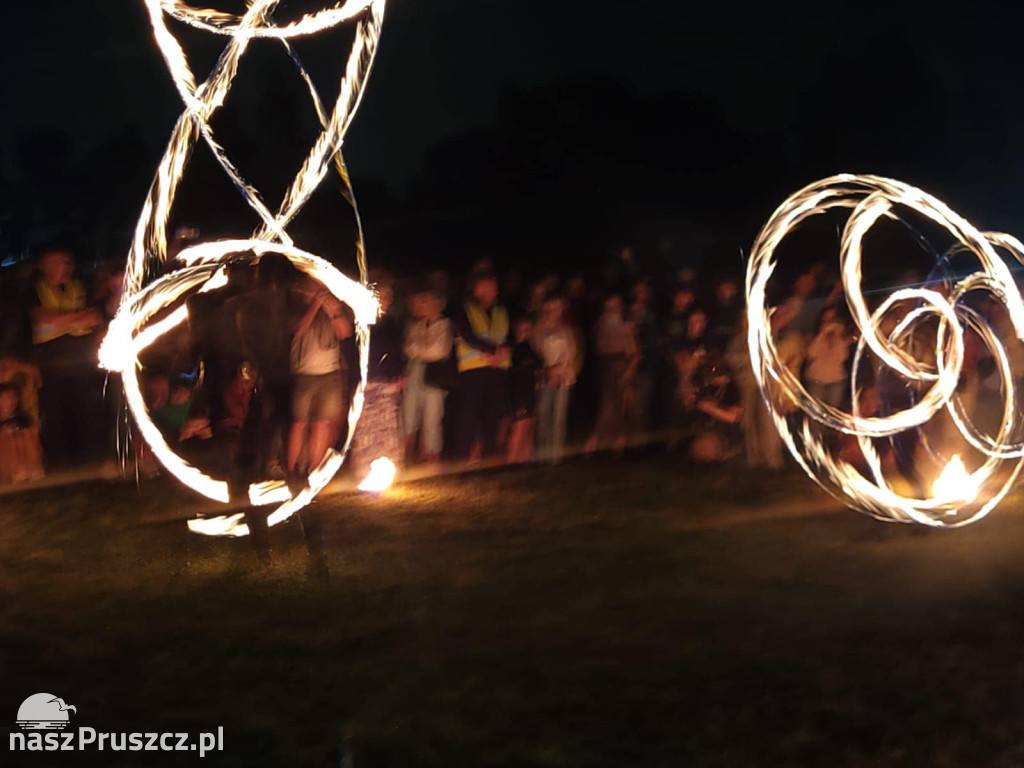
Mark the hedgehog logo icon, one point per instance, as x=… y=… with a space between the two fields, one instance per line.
x=44 y=712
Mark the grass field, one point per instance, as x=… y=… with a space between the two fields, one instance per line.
x=604 y=613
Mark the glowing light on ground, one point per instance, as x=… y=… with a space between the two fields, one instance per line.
x=381 y=476
x=955 y=482
x=958 y=498
x=152 y=290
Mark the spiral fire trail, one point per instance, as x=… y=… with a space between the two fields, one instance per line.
x=806 y=424
x=150 y=289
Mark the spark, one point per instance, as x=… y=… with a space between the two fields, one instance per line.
x=153 y=300
x=958 y=498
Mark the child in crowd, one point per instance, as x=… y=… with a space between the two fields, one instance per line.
x=21 y=455
x=171 y=417
x=526 y=367
x=26 y=380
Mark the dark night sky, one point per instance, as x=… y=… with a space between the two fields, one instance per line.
x=89 y=67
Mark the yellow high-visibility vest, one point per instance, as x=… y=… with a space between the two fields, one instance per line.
x=71 y=299
x=494 y=328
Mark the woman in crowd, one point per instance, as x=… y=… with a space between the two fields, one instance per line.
x=428 y=348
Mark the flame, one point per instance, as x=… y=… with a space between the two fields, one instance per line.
x=955 y=482
x=382 y=475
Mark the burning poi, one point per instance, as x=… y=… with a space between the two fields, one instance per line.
x=151 y=290
x=916 y=336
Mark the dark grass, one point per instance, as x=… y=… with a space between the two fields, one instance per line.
x=636 y=613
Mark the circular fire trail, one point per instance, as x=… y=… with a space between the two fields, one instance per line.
x=919 y=337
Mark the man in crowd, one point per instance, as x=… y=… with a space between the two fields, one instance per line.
x=482 y=328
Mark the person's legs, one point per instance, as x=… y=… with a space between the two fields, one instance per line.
x=545 y=421
x=324 y=412
x=494 y=409
x=413 y=402
x=604 y=425
x=296 y=438
x=433 y=414
x=319 y=439
x=748 y=423
x=767 y=435
x=472 y=391
x=520 y=440
x=641 y=403
x=54 y=396
x=560 y=423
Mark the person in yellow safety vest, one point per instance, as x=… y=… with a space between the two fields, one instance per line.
x=63 y=327
x=484 y=357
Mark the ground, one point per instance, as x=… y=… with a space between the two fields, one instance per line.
x=603 y=613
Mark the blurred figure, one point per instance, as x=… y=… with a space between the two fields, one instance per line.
x=26 y=379
x=717 y=433
x=641 y=316
x=484 y=358
x=379 y=432
x=21 y=455
x=691 y=355
x=826 y=377
x=683 y=303
x=66 y=348
x=428 y=348
x=263 y=316
x=171 y=416
x=761 y=440
x=724 y=313
x=527 y=367
x=616 y=350
x=555 y=343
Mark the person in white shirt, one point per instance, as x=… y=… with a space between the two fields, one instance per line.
x=317 y=369
x=428 y=339
x=826 y=377
x=555 y=343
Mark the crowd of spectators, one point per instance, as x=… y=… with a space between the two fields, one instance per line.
x=259 y=382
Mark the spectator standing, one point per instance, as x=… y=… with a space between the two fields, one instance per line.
x=761 y=440
x=555 y=343
x=318 y=378
x=826 y=377
x=66 y=348
x=428 y=340
x=616 y=350
x=484 y=358
x=641 y=316
x=526 y=371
